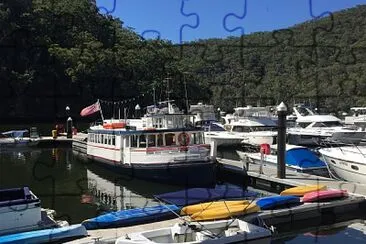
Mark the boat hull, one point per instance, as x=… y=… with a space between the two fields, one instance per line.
x=131 y=217
x=324 y=195
x=254 y=158
x=347 y=170
x=222 y=231
x=46 y=235
x=196 y=173
x=273 y=202
x=302 y=190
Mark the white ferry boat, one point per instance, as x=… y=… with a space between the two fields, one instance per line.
x=163 y=148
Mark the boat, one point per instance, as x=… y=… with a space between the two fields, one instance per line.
x=66 y=233
x=191 y=196
x=357 y=117
x=330 y=194
x=196 y=208
x=348 y=162
x=131 y=217
x=162 y=146
x=20 y=210
x=314 y=129
x=273 y=202
x=302 y=190
x=249 y=126
x=223 y=231
x=298 y=158
x=225 y=212
x=17 y=138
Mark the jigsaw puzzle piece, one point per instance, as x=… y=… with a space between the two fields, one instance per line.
x=106 y=6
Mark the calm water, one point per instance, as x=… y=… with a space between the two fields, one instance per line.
x=79 y=190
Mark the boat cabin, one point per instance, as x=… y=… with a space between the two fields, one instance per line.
x=20 y=210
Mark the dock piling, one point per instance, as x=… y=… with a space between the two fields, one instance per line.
x=281 y=140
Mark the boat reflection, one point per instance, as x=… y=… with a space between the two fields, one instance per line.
x=110 y=191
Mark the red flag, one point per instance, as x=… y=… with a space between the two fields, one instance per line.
x=90 y=109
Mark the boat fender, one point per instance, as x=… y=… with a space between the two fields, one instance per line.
x=265 y=149
x=183 y=139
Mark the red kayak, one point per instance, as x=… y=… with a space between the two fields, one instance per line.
x=324 y=195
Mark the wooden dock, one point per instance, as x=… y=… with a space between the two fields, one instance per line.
x=269 y=178
x=315 y=214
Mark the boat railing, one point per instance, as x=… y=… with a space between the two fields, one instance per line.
x=343 y=147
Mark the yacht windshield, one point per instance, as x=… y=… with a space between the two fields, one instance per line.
x=252 y=128
x=328 y=124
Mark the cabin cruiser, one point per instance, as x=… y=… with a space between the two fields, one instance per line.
x=162 y=146
x=204 y=117
x=348 y=162
x=20 y=210
x=219 y=231
x=17 y=138
x=315 y=129
x=358 y=117
x=298 y=158
x=250 y=125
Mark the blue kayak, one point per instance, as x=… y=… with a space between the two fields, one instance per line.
x=46 y=235
x=131 y=217
x=268 y=203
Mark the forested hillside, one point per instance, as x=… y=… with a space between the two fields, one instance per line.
x=59 y=53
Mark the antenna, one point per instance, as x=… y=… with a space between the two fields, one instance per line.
x=186 y=93
x=168 y=91
x=154 y=97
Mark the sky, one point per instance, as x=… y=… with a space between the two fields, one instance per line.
x=188 y=20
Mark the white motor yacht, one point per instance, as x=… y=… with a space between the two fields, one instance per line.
x=250 y=125
x=314 y=129
x=347 y=162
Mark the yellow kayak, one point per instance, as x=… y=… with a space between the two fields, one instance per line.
x=196 y=208
x=224 y=212
x=301 y=190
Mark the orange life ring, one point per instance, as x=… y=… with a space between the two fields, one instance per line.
x=183 y=139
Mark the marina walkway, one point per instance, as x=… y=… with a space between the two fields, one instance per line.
x=292 y=178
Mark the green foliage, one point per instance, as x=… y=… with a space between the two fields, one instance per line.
x=58 y=53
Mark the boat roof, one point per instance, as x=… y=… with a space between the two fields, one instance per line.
x=358 y=108
x=254 y=122
x=15 y=133
x=141 y=132
x=317 y=118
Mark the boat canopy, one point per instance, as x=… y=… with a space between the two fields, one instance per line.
x=303 y=157
x=198 y=195
x=15 y=133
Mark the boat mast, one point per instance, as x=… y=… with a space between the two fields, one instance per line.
x=100 y=109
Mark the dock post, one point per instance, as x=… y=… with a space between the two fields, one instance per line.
x=281 y=140
x=213 y=152
x=69 y=128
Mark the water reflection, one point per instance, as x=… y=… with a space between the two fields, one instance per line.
x=111 y=191
x=76 y=190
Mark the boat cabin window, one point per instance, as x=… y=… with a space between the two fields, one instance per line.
x=170 y=139
x=304 y=124
x=196 y=138
x=327 y=124
x=113 y=140
x=241 y=129
x=159 y=140
x=151 y=141
x=141 y=141
x=133 y=139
